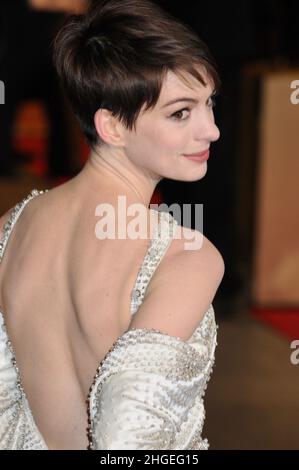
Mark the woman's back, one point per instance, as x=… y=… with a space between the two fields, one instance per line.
x=66 y=297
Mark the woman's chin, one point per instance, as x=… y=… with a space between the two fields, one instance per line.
x=196 y=173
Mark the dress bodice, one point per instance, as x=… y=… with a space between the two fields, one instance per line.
x=147 y=377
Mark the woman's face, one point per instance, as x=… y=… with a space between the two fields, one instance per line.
x=167 y=132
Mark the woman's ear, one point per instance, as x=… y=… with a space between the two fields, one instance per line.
x=108 y=127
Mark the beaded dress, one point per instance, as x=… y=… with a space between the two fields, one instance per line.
x=148 y=390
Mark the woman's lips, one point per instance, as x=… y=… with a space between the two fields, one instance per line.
x=199 y=157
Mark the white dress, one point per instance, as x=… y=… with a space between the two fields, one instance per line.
x=147 y=392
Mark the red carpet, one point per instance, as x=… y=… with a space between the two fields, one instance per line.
x=285 y=321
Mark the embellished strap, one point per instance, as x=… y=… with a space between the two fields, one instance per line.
x=148 y=385
x=162 y=236
x=15 y=214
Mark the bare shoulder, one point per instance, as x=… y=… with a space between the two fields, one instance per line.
x=196 y=247
x=181 y=289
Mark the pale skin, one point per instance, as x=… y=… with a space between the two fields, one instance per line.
x=66 y=295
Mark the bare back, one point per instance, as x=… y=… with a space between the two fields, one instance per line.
x=66 y=297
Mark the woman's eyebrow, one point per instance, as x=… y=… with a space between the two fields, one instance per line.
x=177 y=100
x=189 y=100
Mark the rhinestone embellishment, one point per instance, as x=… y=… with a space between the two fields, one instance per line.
x=16 y=212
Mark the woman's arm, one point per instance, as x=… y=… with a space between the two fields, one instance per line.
x=152 y=380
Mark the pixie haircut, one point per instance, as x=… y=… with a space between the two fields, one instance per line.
x=116 y=57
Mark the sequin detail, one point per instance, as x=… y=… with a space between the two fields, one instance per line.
x=162 y=236
x=148 y=380
x=15 y=214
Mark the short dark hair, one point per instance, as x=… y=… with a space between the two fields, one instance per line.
x=116 y=57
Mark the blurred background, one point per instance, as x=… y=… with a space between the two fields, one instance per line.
x=249 y=194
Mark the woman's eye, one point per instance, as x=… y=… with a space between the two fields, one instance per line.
x=177 y=114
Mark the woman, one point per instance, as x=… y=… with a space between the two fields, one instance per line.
x=111 y=340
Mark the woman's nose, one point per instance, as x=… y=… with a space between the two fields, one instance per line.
x=215 y=133
x=207 y=131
